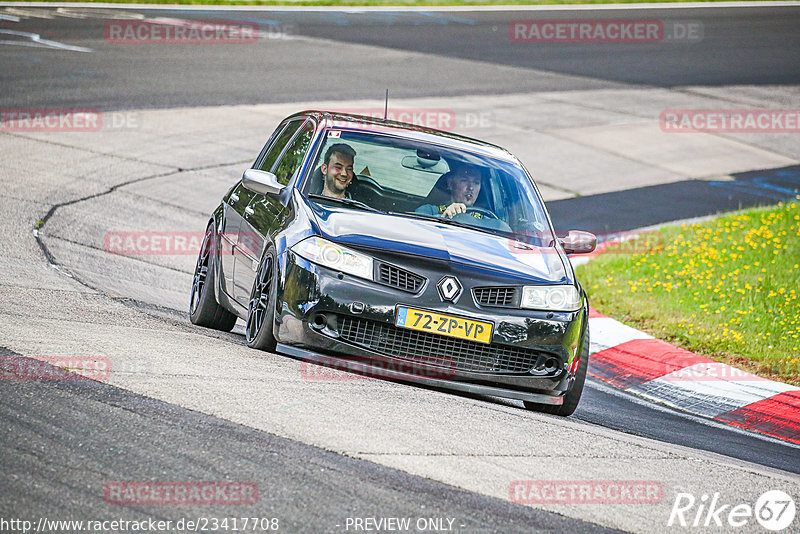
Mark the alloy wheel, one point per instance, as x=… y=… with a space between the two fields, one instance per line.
x=259 y=300
x=200 y=273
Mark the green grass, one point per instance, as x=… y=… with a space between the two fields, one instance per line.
x=728 y=289
x=400 y=3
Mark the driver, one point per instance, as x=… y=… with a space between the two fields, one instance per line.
x=464 y=185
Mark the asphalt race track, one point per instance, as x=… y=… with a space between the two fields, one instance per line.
x=293 y=475
x=181 y=123
x=742 y=46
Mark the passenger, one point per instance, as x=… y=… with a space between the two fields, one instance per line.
x=337 y=170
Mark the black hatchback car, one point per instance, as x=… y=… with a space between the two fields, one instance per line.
x=401 y=252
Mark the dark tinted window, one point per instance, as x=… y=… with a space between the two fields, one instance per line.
x=278 y=143
x=293 y=156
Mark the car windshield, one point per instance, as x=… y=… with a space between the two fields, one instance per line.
x=380 y=172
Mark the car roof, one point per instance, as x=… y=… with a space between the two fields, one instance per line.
x=402 y=129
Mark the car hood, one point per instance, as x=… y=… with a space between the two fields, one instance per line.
x=440 y=241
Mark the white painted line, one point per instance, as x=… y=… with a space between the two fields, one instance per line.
x=36 y=40
x=706 y=404
x=707 y=376
x=9 y=18
x=96 y=14
x=709 y=397
x=608 y=332
x=30 y=13
x=440 y=9
x=263 y=35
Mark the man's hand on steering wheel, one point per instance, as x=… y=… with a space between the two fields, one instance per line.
x=457 y=207
x=454 y=209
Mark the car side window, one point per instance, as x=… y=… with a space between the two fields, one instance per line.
x=278 y=144
x=293 y=155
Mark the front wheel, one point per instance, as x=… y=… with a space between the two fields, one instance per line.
x=261 y=309
x=573 y=396
x=204 y=310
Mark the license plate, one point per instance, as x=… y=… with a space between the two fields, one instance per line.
x=445 y=325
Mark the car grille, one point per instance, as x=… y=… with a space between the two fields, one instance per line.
x=399 y=278
x=431 y=348
x=496 y=296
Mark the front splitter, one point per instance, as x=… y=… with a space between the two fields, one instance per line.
x=374 y=371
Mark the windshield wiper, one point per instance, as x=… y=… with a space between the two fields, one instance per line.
x=445 y=220
x=347 y=202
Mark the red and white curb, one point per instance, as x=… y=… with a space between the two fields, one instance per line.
x=637 y=362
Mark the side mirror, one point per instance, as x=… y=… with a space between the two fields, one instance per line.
x=578 y=242
x=262 y=182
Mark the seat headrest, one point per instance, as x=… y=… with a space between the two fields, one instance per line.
x=317 y=182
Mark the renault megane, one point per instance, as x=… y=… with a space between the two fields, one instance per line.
x=387 y=246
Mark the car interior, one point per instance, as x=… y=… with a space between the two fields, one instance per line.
x=400 y=176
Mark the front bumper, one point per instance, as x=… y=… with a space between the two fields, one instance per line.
x=321 y=313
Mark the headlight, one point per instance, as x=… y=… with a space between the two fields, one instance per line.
x=553 y=298
x=337 y=257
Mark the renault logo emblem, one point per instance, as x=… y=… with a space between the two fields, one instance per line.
x=449 y=288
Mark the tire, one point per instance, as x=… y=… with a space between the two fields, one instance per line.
x=204 y=310
x=259 y=331
x=573 y=396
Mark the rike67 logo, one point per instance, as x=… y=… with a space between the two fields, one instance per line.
x=774 y=510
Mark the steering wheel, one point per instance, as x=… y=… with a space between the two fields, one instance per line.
x=483 y=211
